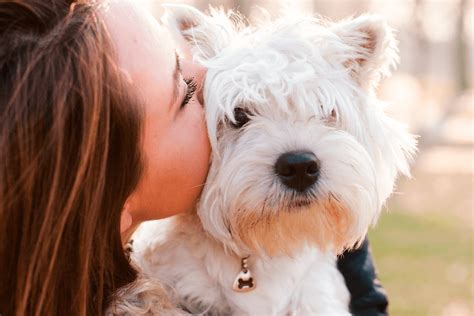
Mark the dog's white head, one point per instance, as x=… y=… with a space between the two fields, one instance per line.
x=303 y=152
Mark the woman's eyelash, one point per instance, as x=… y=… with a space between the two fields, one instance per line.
x=192 y=86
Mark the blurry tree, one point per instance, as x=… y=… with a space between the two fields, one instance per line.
x=243 y=6
x=461 y=60
x=340 y=9
x=422 y=44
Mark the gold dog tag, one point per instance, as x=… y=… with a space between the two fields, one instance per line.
x=244 y=281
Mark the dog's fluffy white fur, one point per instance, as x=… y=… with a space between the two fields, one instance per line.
x=304 y=84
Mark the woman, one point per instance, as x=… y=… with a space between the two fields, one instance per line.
x=93 y=107
x=97 y=111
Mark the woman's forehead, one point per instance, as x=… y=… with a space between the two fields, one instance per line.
x=144 y=48
x=130 y=17
x=141 y=43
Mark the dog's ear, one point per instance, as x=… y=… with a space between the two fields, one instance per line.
x=201 y=35
x=373 y=51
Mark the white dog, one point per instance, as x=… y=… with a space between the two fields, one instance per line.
x=304 y=158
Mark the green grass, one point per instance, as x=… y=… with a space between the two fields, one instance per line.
x=425 y=263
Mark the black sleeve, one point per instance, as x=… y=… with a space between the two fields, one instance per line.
x=368 y=298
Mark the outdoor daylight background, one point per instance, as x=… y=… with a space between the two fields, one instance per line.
x=423 y=244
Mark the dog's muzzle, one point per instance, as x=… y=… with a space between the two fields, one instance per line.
x=298 y=170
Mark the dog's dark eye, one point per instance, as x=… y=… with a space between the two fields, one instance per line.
x=241 y=118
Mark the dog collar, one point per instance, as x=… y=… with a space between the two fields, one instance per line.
x=244 y=281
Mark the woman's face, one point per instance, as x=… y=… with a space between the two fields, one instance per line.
x=175 y=145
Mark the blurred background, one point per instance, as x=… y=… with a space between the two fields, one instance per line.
x=423 y=244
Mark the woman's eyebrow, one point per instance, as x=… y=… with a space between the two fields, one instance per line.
x=176 y=73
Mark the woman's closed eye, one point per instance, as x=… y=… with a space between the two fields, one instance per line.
x=191 y=87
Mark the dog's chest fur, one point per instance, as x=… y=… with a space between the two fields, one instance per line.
x=199 y=274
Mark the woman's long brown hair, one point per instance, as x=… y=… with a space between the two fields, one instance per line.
x=69 y=137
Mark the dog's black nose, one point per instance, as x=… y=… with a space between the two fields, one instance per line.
x=298 y=169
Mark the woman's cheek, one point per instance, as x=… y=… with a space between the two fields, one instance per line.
x=196 y=148
x=176 y=165
x=203 y=149
x=182 y=166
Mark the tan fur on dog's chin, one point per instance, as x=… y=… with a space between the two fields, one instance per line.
x=324 y=224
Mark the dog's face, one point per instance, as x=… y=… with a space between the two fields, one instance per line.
x=302 y=150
